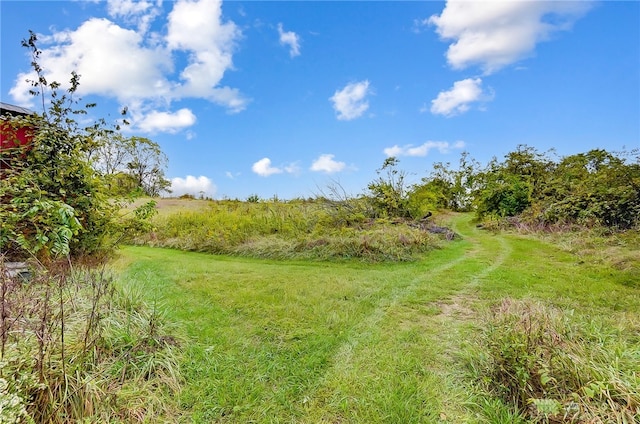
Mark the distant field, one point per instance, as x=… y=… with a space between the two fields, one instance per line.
x=171 y=205
x=320 y=342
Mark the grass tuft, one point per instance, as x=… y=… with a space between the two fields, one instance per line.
x=556 y=365
x=75 y=348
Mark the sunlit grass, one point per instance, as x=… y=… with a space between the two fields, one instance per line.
x=308 y=342
x=303 y=230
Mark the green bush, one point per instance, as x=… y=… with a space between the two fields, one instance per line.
x=597 y=188
x=53 y=202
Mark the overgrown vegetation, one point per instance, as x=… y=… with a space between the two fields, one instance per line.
x=554 y=365
x=75 y=347
x=54 y=198
x=593 y=189
x=315 y=230
x=597 y=188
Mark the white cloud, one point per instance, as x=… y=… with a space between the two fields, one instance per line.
x=128 y=7
x=139 y=68
x=141 y=12
x=166 y=121
x=350 y=102
x=110 y=60
x=264 y=169
x=326 y=163
x=292 y=168
x=457 y=100
x=195 y=186
x=291 y=39
x=231 y=98
x=419 y=25
x=197 y=27
x=423 y=150
x=494 y=34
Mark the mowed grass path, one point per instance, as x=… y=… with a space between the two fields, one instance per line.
x=304 y=342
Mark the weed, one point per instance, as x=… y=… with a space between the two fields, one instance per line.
x=558 y=366
x=74 y=348
x=322 y=230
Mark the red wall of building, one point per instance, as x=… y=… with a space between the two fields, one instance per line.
x=11 y=138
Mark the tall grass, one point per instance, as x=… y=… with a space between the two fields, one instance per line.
x=301 y=230
x=555 y=365
x=75 y=348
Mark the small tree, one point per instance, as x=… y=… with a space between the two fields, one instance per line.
x=389 y=192
x=131 y=164
x=147 y=166
x=432 y=194
x=446 y=188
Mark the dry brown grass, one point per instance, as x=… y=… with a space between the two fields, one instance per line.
x=166 y=206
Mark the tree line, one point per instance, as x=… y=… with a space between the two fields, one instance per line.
x=596 y=188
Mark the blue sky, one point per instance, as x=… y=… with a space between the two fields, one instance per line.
x=285 y=98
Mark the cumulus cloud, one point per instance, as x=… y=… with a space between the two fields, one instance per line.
x=494 y=34
x=457 y=100
x=350 y=102
x=195 y=186
x=197 y=28
x=264 y=169
x=167 y=121
x=291 y=39
x=139 y=68
x=326 y=163
x=111 y=61
x=424 y=149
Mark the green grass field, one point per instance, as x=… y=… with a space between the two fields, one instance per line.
x=350 y=342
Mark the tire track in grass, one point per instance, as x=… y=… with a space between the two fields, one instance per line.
x=398 y=294
x=456 y=278
x=493 y=250
x=361 y=330
x=482 y=243
x=454 y=324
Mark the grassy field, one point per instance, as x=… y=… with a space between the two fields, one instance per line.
x=319 y=230
x=350 y=342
